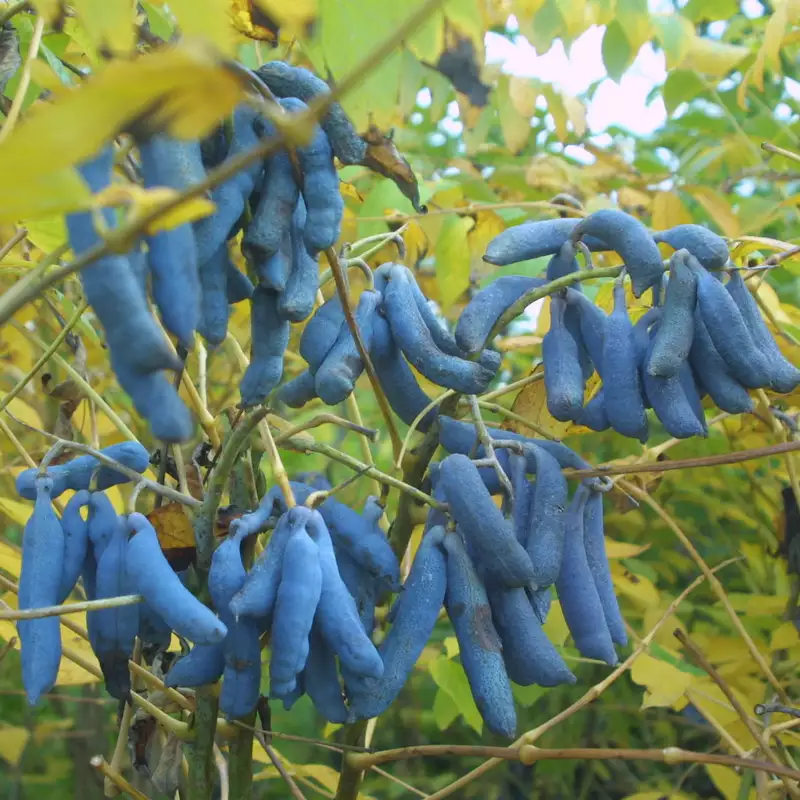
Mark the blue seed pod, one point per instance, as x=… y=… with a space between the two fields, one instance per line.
x=577 y=592
x=296 y=301
x=202 y=665
x=321 y=679
x=592 y=323
x=480 y=648
x=708 y=248
x=76 y=542
x=320 y=333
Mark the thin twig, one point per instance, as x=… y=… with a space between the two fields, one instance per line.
x=111 y=789
x=473 y=208
x=323 y=419
x=72 y=608
x=780 y=151
x=486 y=441
x=278 y=764
x=99 y=764
x=17 y=237
x=415 y=424
x=278 y=470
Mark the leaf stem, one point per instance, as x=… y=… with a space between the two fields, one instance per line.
x=71 y=608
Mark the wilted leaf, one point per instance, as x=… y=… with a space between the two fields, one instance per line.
x=142 y=201
x=384 y=158
x=173 y=526
x=254 y=20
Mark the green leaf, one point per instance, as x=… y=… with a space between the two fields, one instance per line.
x=384 y=196
x=681 y=86
x=160 y=22
x=527 y=695
x=617 y=52
x=710 y=10
x=109 y=23
x=657 y=651
x=547 y=26
x=674 y=34
x=453 y=259
x=634 y=18
x=516 y=127
x=451 y=678
x=445 y=710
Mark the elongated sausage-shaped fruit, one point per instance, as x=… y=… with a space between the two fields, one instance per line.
x=154 y=632
x=361 y=584
x=214 y=311
x=272 y=217
x=594 y=542
x=415 y=340
x=336 y=376
x=102 y=523
x=415 y=614
x=456 y=436
x=77 y=473
x=486 y=307
x=534 y=240
x=442 y=338
x=621 y=381
x=39 y=585
x=479 y=645
x=287 y=81
x=592 y=323
x=541 y=601
x=482 y=523
x=172 y=254
x=711 y=370
x=231 y=196
x=675 y=332
x=274 y=271
x=296 y=301
x=528 y=654
x=561 y=264
x=672 y=404
x=320 y=333
x=726 y=326
x=577 y=592
x=76 y=542
x=548 y=503
x=257 y=596
x=295 y=607
x=157 y=400
x=241 y=646
x=202 y=665
x=784 y=376
x=337 y=614
x=523 y=490
x=111 y=287
x=594 y=414
x=153 y=578
x=641 y=336
x=321 y=679
x=563 y=375
x=270 y=338
x=113 y=631
x=320 y=186
x=398 y=382
x=631 y=239
x=238 y=286
x=298 y=391
x=708 y=248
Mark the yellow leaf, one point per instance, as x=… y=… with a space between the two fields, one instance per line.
x=556 y=626
x=488 y=224
x=523 y=93
x=453 y=259
x=37 y=195
x=629 y=197
x=771 y=300
x=637 y=587
x=726 y=780
x=665 y=685
x=109 y=23
x=516 y=126
x=451 y=646
x=669 y=211
x=531 y=403
x=22 y=411
x=576 y=113
x=208 y=19
x=12 y=743
x=718 y=208
x=184 y=88
x=47 y=233
x=757 y=605
x=785 y=14
x=784 y=637
x=15 y=510
x=142 y=201
x=712 y=57
x=615 y=549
